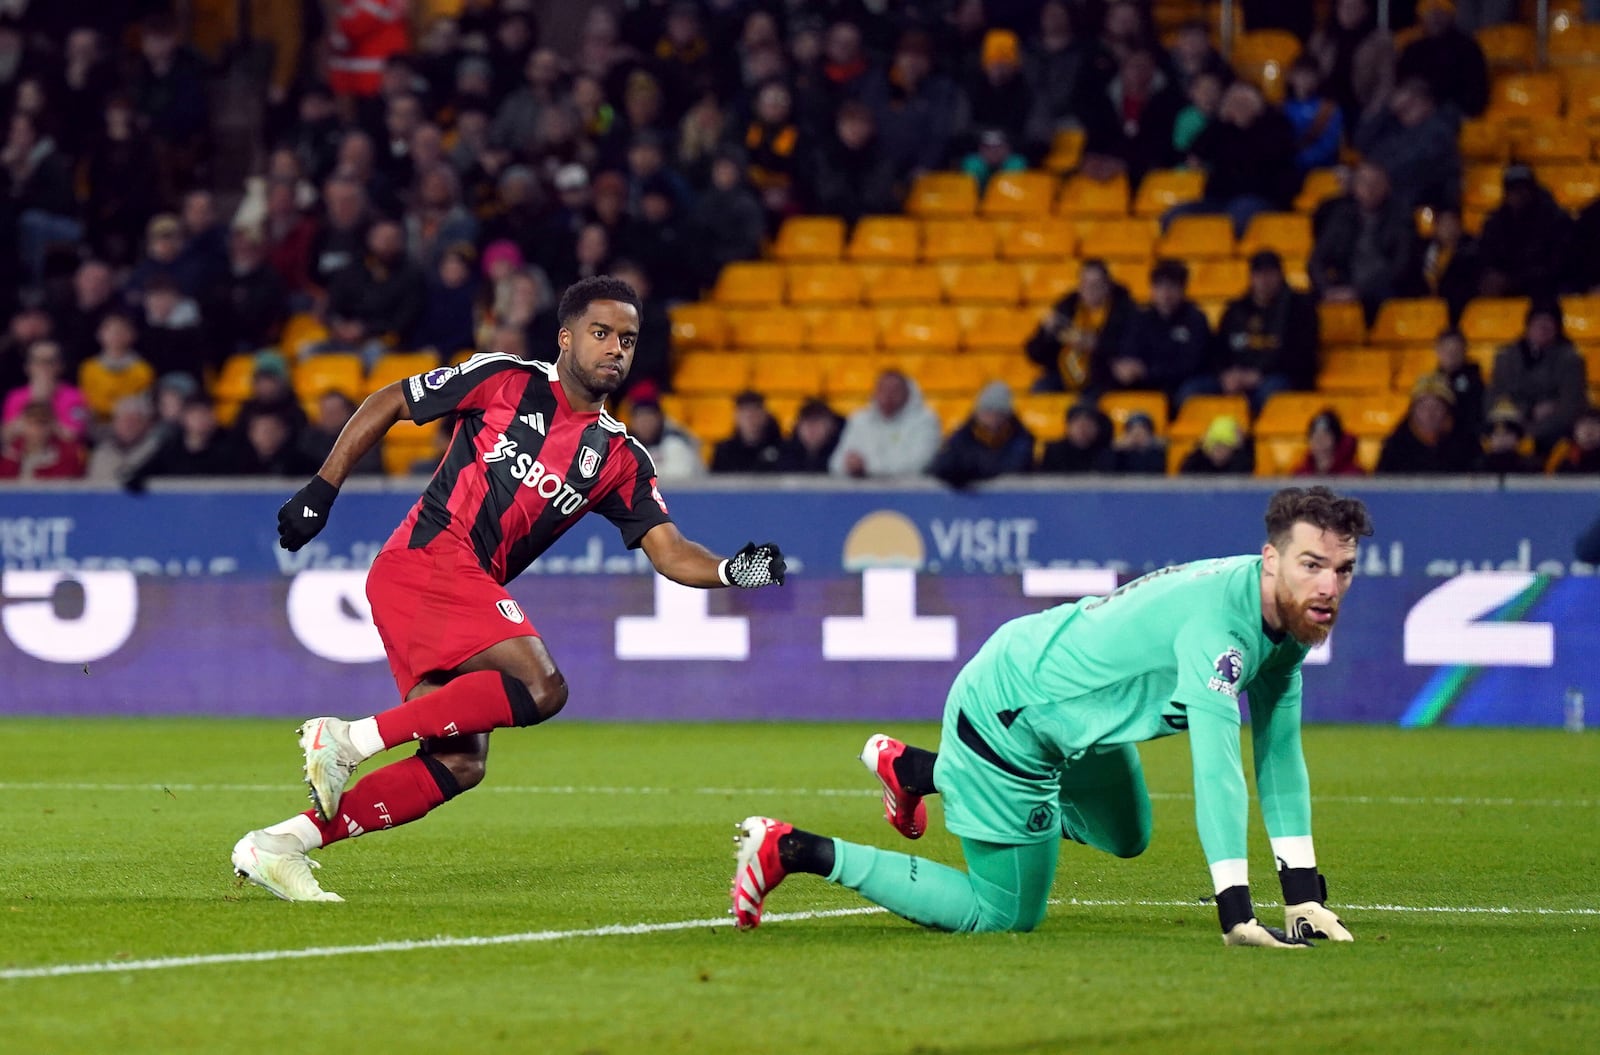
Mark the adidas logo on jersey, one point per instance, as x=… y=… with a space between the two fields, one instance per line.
x=534 y=421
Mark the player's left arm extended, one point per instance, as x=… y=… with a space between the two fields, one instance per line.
x=1284 y=790
x=306 y=511
x=692 y=564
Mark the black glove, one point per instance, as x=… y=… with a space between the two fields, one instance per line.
x=1306 y=913
x=753 y=566
x=301 y=517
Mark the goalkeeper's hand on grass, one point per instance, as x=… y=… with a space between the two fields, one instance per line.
x=1250 y=932
x=1305 y=893
x=753 y=566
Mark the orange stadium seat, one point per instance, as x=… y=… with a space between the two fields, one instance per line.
x=1132 y=275
x=1118 y=239
x=1580 y=317
x=340 y=372
x=1015 y=370
x=1574 y=186
x=1162 y=189
x=1548 y=140
x=397 y=366
x=1518 y=96
x=991 y=328
x=1508 y=48
x=712 y=374
x=850 y=376
x=768 y=329
x=1066 y=150
x=1045 y=413
x=1318 y=187
x=1197 y=413
x=1355 y=370
x=1044 y=283
x=696 y=325
x=1018 y=194
x=710 y=418
x=1263 y=56
x=1084 y=197
x=1496 y=319
x=1372 y=416
x=1288 y=233
x=809 y=239
x=831 y=330
x=234 y=380
x=953 y=411
x=749 y=284
x=1288 y=413
x=1036 y=237
x=942 y=194
x=1412 y=364
x=1581 y=87
x=969 y=239
x=1484 y=142
x=922 y=330
x=1341 y=324
x=1577 y=45
x=884 y=239
x=1212 y=308
x=824 y=285
x=900 y=284
x=408 y=443
x=787 y=374
x=985 y=282
x=1118 y=406
x=951 y=376
x=1482 y=187
x=300 y=332
x=1222 y=279
x=1409 y=320
x=1195 y=237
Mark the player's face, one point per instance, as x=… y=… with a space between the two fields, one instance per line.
x=598 y=348
x=1312 y=572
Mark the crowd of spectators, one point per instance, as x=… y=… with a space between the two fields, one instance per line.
x=435 y=185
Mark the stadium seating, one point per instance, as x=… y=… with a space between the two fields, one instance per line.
x=1037 y=238
x=1355 y=370
x=1118 y=406
x=1263 y=56
x=796 y=374
x=900 y=284
x=1409 y=320
x=986 y=282
x=1573 y=186
x=1066 y=150
x=1549 y=140
x=1580 y=317
x=1341 y=324
x=774 y=328
x=1318 y=187
x=1218 y=279
x=1508 y=48
x=1577 y=45
x=942 y=195
x=809 y=239
x=922 y=330
x=824 y=285
x=397 y=366
x=884 y=239
x=1045 y=413
x=1198 y=412
x=1164 y=188
x=965 y=239
x=1197 y=237
x=338 y=372
x=1484 y=143
x=1122 y=238
x=1018 y=194
x=712 y=374
x=749 y=284
x=994 y=329
x=1289 y=234
x=1045 y=283
x=1496 y=319
x=831 y=330
x=1524 y=95
x=1084 y=197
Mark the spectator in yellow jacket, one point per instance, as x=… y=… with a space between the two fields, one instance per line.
x=117 y=371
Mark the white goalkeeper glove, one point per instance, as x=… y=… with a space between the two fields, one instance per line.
x=1251 y=932
x=1305 y=892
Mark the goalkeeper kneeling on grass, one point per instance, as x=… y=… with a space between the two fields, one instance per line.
x=1039 y=736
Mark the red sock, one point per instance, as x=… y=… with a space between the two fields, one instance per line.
x=472 y=703
x=397 y=794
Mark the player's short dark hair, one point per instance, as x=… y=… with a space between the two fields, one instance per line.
x=576 y=300
x=1345 y=517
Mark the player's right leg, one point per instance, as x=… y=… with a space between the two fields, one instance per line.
x=1005 y=888
x=1104 y=801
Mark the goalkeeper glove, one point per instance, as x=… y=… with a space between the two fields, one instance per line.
x=1240 y=926
x=1305 y=893
x=752 y=567
x=301 y=517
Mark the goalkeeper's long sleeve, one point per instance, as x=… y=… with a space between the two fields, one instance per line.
x=1221 y=800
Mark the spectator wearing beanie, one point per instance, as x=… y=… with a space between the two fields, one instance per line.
x=1543 y=374
x=991 y=442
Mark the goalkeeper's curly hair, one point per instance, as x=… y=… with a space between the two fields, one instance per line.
x=576 y=300
x=1346 y=518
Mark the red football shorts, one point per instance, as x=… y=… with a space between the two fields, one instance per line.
x=436 y=607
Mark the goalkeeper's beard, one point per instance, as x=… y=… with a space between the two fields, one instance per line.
x=1297 y=618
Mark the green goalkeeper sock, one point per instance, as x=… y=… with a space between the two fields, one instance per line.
x=1006 y=888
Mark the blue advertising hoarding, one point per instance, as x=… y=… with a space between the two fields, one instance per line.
x=1468 y=609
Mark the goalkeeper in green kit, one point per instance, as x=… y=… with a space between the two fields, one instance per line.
x=1040 y=734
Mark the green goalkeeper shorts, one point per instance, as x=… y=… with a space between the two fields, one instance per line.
x=995 y=784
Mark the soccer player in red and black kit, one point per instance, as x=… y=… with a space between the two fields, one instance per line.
x=533 y=449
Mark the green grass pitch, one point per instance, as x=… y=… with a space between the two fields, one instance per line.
x=114 y=840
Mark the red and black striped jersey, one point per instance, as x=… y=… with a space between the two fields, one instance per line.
x=522 y=465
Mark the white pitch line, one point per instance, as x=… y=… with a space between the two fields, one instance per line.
x=602 y=789
x=617 y=930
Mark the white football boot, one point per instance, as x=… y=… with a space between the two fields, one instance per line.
x=278 y=865
x=330 y=761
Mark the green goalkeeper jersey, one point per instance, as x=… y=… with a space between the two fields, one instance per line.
x=1166 y=653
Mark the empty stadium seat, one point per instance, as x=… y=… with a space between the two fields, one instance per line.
x=950 y=376
x=1197 y=237
x=1124 y=238
x=1508 y=48
x=795 y=374
x=234 y=379
x=1044 y=283
x=1037 y=237
x=1132 y=275
x=830 y=330
x=300 y=331
x=1045 y=413
x=1018 y=194
x=1084 y=197
x=985 y=282
x=849 y=376
x=1355 y=370
x=1162 y=189
x=1288 y=233
x=1341 y=324
x=1482 y=187
x=1518 y=96
x=900 y=284
x=1066 y=150
x=1580 y=317
x=1548 y=140
x=942 y=194
x=703 y=373
x=809 y=239
x=397 y=366
x=1581 y=87
x=750 y=284
x=1484 y=142
x=991 y=328
x=884 y=239
x=1578 y=45
x=696 y=325
x=1409 y=320
x=1263 y=56
x=1373 y=416
x=1197 y=413
x=1318 y=187
x=768 y=329
x=340 y=372
x=921 y=330
x=1495 y=319
x=1573 y=186
x=1287 y=414
x=968 y=239
x=824 y=285
x=1414 y=363
x=1223 y=279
